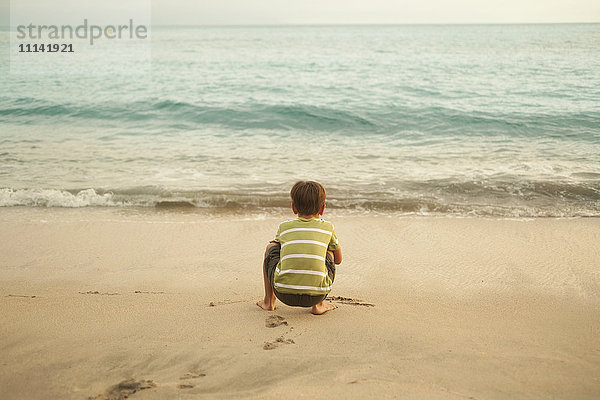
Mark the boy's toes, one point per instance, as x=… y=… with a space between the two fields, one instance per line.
x=265 y=306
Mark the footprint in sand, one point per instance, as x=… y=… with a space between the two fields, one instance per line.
x=273 y=321
x=278 y=342
x=124 y=389
x=192 y=375
x=185 y=386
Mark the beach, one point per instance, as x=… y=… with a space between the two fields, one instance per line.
x=462 y=176
x=429 y=307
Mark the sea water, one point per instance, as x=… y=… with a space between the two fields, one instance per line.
x=426 y=119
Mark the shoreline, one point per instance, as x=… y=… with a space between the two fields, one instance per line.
x=462 y=307
x=269 y=212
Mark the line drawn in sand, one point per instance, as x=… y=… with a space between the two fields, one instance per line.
x=350 y=301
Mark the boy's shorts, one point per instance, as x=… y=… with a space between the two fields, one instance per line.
x=294 y=300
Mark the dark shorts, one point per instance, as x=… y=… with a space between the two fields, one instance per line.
x=294 y=300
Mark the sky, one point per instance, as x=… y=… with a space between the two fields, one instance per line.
x=373 y=11
x=260 y=12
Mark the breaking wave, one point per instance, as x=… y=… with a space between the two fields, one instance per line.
x=502 y=199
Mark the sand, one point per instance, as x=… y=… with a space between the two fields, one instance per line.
x=110 y=303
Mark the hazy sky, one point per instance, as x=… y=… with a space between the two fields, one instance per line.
x=209 y=12
x=374 y=11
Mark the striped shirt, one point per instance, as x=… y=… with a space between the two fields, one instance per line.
x=304 y=244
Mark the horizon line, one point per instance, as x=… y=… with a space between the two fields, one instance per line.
x=380 y=23
x=294 y=24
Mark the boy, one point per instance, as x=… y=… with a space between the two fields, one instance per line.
x=299 y=265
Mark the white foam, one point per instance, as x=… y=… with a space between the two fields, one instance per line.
x=56 y=198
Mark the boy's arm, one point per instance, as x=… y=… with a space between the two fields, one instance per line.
x=337 y=256
x=334 y=246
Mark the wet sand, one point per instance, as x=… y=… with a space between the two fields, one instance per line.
x=109 y=304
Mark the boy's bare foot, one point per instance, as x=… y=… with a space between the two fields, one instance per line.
x=265 y=305
x=322 y=308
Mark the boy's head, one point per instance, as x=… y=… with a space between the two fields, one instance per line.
x=308 y=197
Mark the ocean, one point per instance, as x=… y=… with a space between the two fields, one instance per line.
x=467 y=120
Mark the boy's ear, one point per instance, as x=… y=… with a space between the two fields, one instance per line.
x=322 y=210
x=294 y=208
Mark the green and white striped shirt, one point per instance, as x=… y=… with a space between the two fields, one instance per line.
x=304 y=244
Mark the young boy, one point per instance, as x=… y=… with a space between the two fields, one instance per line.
x=299 y=265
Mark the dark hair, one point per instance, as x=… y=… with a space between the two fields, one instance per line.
x=308 y=197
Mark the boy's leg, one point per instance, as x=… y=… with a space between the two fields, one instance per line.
x=268 y=303
x=322 y=307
